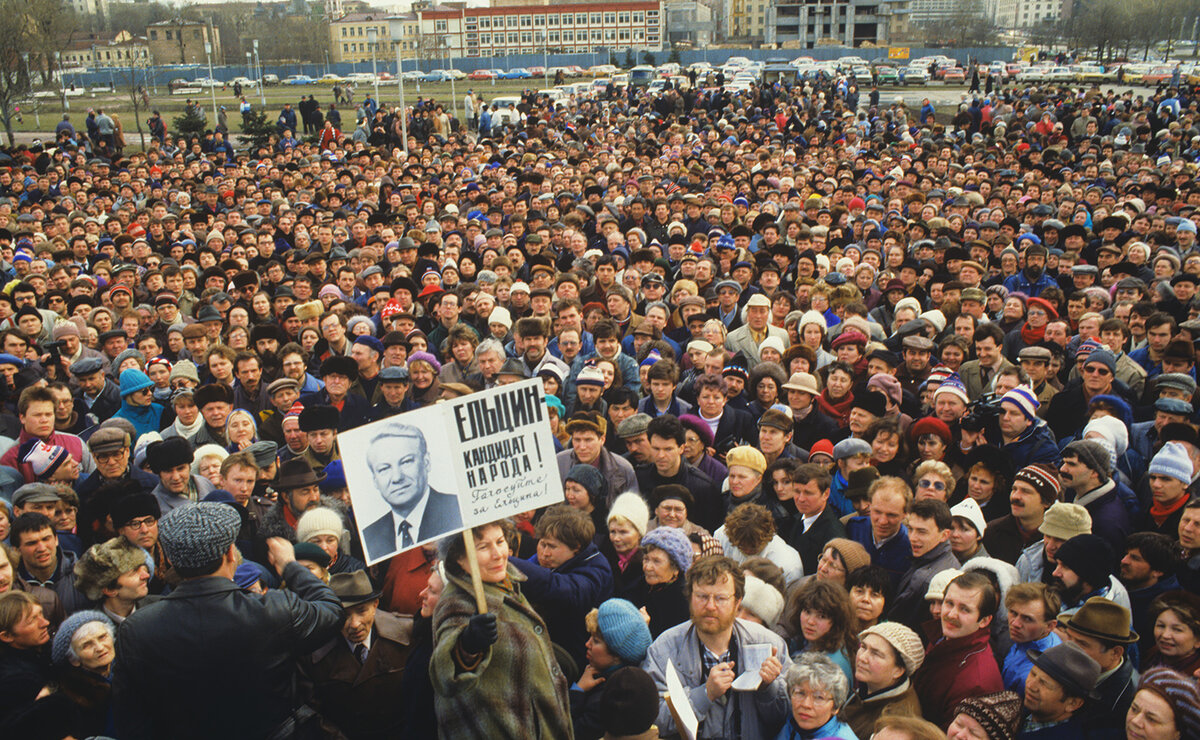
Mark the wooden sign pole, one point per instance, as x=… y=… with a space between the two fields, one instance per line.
x=468 y=536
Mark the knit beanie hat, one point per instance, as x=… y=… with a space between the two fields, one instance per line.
x=134 y=380
x=953 y=386
x=1024 y=399
x=1090 y=556
x=1064 y=521
x=632 y=508
x=590 y=479
x=60 y=649
x=1112 y=430
x=906 y=643
x=1104 y=356
x=999 y=714
x=1180 y=691
x=1172 y=461
x=1093 y=454
x=1043 y=478
x=762 y=600
x=43 y=458
x=185 y=369
x=939 y=582
x=624 y=630
x=322 y=520
x=628 y=704
x=673 y=542
x=969 y=509
x=854 y=555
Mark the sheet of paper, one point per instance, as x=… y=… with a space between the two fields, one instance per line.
x=752 y=657
x=685 y=715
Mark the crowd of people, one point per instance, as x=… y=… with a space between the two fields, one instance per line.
x=872 y=422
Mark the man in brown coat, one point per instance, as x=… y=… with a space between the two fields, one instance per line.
x=356 y=676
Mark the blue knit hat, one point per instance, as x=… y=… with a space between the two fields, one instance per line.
x=1172 y=461
x=624 y=630
x=590 y=478
x=60 y=649
x=134 y=380
x=674 y=543
x=335 y=477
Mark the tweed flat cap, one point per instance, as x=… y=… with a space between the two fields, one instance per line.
x=197 y=535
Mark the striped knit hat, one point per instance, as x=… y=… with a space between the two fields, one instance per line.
x=1024 y=399
x=954 y=386
x=1043 y=478
x=1181 y=693
x=999 y=714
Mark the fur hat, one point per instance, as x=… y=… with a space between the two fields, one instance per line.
x=317 y=417
x=762 y=600
x=309 y=311
x=212 y=393
x=169 y=453
x=104 y=563
x=632 y=508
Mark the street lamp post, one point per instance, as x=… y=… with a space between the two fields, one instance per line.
x=545 y=59
x=212 y=87
x=372 y=38
x=249 y=70
x=403 y=112
x=262 y=94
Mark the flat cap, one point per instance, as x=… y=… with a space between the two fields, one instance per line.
x=87 y=366
x=197 y=535
x=108 y=439
x=633 y=426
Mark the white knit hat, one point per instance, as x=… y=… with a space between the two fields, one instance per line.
x=939 y=582
x=969 y=509
x=322 y=521
x=632 y=508
x=762 y=600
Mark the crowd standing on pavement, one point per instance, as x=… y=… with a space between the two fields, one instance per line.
x=872 y=421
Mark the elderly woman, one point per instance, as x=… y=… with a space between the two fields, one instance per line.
x=744 y=482
x=698 y=438
x=325 y=528
x=839 y=559
x=933 y=479
x=627 y=522
x=820 y=618
x=671 y=507
x=476 y=656
x=749 y=531
x=1165 y=707
x=888 y=655
x=586 y=490
x=618 y=638
x=423 y=369
x=666 y=556
x=240 y=429
x=82 y=653
x=816 y=689
x=1176 y=619
x=206 y=462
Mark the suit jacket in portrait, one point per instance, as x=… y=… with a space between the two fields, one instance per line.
x=380 y=538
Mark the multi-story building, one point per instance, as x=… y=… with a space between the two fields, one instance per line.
x=97 y=50
x=1013 y=14
x=445 y=31
x=689 y=22
x=182 y=41
x=89 y=7
x=805 y=24
x=350 y=37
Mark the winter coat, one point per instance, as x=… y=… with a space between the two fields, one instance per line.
x=909 y=607
x=564 y=595
x=1035 y=445
x=664 y=602
x=615 y=469
x=237 y=649
x=709 y=509
x=23 y=673
x=956 y=669
x=835 y=727
x=145 y=419
x=486 y=702
x=861 y=712
x=1110 y=518
x=777 y=551
x=360 y=698
x=80 y=707
x=762 y=712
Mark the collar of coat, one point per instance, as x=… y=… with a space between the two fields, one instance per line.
x=397 y=628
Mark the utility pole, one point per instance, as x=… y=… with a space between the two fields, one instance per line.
x=212 y=86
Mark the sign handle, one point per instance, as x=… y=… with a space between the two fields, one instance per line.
x=468 y=536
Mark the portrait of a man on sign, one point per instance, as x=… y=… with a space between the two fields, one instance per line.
x=398 y=461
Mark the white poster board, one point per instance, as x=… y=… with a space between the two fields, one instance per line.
x=433 y=472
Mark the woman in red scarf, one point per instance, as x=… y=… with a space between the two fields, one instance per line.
x=836 y=399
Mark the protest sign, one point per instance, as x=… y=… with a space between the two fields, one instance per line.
x=429 y=473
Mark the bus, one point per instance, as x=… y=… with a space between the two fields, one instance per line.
x=641 y=75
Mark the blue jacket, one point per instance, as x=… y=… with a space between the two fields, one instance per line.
x=1018 y=663
x=564 y=595
x=1021 y=283
x=894 y=556
x=833 y=728
x=1035 y=445
x=145 y=419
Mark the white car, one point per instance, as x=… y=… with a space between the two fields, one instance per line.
x=243 y=81
x=206 y=82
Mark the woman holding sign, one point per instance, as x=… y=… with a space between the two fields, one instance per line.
x=476 y=657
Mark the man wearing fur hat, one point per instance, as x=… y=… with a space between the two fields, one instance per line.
x=171 y=461
x=339 y=372
x=319 y=424
x=215 y=401
x=588 y=430
x=116 y=576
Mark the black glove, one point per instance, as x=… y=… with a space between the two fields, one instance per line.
x=479 y=635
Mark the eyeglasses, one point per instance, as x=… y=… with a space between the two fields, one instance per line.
x=936 y=485
x=715 y=599
x=813 y=697
x=144 y=523
x=1094 y=370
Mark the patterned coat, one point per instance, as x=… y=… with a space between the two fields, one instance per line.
x=517 y=692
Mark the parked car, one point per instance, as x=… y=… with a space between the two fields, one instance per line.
x=915 y=74
x=886 y=75
x=205 y=82
x=516 y=73
x=954 y=75
x=602 y=70
x=331 y=79
x=1158 y=74
x=177 y=83
x=413 y=75
x=299 y=80
x=482 y=74
x=269 y=80
x=243 y=81
x=437 y=75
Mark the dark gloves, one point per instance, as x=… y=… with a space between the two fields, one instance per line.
x=479 y=635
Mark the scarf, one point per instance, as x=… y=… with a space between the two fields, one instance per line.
x=188 y=431
x=1160 y=512
x=839 y=411
x=1031 y=336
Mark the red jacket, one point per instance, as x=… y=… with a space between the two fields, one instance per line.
x=955 y=670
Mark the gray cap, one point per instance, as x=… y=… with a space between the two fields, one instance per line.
x=86 y=366
x=264 y=453
x=393 y=374
x=108 y=439
x=1173 y=406
x=851 y=447
x=1042 y=354
x=35 y=493
x=513 y=366
x=633 y=426
x=197 y=535
x=1179 y=381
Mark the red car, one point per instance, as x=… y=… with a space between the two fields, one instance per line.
x=954 y=74
x=481 y=74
